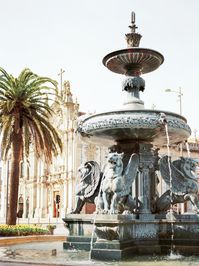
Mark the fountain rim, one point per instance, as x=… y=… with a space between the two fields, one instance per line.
x=96 y=126
x=142 y=111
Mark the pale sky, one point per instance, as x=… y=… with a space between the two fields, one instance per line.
x=46 y=35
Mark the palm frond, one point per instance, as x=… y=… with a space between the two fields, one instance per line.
x=6 y=135
x=24 y=105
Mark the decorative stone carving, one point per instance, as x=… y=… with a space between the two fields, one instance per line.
x=116 y=185
x=66 y=93
x=107 y=232
x=124 y=121
x=133 y=39
x=180 y=176
x=132 y=83
x=88 y=188
x=137 y=124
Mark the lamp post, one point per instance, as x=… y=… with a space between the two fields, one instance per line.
x=180 y=94
x=195 y=135
x=181 y=207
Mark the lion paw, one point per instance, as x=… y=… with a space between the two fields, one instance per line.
x=105 y=212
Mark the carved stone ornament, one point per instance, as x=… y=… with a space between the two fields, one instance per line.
x=116 y=185
x=131 y=83
x=88 y=187
x=107 y=233
x=135 y=124
x=133 y=39
x=180 y=175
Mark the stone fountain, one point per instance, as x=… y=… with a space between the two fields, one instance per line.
x=131 y=217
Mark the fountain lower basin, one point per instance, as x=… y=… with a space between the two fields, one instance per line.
x=133 y=125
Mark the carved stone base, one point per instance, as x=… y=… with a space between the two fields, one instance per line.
x=120 y=250
x=118 y=237
x=80 y=227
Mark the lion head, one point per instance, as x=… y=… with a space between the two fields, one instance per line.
x=114 y=161
x=188 y=167
x=89 y=178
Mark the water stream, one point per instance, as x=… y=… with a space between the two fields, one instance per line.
x=188 y=150
x=92 y=235
x=170 y=215
x=96 y=212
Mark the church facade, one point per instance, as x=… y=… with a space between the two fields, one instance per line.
x=48 y=191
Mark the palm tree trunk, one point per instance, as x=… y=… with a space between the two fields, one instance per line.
x=16 y=157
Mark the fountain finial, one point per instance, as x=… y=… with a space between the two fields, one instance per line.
x=133 y=38
x=133 y=27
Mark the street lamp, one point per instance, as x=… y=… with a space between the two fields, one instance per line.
x=180 y=94
x=195 y=135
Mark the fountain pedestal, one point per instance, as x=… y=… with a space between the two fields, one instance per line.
x=145 y=188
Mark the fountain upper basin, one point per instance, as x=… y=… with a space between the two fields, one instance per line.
x=133 y=61
x=133 y=125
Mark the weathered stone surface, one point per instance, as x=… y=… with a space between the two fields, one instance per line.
x=136 y=237
x=137 y=125
x=133 y=129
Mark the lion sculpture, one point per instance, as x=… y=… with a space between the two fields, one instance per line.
x=116 y=185
x=180 y=176
x=88 y=188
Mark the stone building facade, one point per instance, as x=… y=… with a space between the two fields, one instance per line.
x=48 y=191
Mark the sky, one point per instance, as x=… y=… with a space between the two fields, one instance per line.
x=75 y=35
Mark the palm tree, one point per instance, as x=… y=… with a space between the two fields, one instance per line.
x=24 y=120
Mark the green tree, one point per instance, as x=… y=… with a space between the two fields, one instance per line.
x=24 y=121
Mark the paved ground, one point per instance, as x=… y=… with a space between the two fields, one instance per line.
x=42 y=253
x=25 y=264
